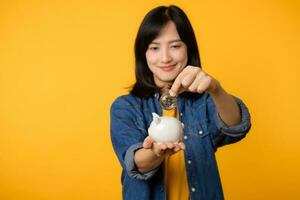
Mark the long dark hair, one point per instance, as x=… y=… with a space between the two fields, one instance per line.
x=149 y=29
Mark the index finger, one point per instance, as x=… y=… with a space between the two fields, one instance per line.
x=176 y=85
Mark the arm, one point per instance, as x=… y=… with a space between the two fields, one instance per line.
x=194 y=79
x=146 y=160
x=127 y=136
x=226 y=106
x=138 y=154
x=153 y=154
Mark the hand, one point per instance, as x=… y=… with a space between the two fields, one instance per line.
x=162 y=149
x=194 y=79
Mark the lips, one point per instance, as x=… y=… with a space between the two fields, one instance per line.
x=167 y=68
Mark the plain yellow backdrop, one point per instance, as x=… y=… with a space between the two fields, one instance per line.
x=62 y=63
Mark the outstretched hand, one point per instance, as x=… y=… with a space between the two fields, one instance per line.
x=162 y=149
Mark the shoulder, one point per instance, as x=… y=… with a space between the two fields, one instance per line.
x=126 y=101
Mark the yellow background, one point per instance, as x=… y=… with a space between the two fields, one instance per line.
x=62 y=63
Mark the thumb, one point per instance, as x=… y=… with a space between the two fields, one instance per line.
x=147 y=144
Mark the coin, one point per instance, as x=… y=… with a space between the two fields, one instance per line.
x=167 y=101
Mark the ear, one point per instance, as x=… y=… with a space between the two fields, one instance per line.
x=156 y=118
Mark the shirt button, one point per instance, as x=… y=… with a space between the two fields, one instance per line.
x=189 y=161
x=181 y=114
x=185 y=137
x=193 y=189
x=200 y=132
x=162 y=189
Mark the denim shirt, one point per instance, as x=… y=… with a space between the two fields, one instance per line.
x=204 y=131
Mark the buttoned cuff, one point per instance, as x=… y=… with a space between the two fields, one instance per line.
x=130 y=164
x=236 y=130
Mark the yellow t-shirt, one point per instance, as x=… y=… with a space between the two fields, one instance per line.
x=174 y=171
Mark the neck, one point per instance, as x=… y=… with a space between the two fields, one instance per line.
x=165 y=86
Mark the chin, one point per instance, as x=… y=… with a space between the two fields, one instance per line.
x=167 y=80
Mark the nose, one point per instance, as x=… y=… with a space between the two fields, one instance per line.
x=166 y=57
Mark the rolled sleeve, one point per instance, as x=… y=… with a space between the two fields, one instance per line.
x=236 y=130
x=131 y=167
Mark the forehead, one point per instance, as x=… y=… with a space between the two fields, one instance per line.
x=167 y=34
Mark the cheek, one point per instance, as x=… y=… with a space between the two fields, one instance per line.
x=151 y=58
x=181 y=56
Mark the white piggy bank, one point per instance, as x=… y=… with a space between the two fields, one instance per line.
x=165 y=129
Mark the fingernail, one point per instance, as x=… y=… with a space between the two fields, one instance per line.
x=173 y=94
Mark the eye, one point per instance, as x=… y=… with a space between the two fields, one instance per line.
x=153 y=48
x=176 y=46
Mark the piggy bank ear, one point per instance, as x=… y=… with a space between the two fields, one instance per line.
x=156 y=118
x=182 y=125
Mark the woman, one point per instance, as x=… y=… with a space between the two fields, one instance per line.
x=167 y=58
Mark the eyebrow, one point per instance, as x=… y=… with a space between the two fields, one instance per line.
x=177 y=40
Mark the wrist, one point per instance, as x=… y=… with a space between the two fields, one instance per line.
x=215 y=88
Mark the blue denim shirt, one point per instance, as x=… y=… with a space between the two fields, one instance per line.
x=204 y=131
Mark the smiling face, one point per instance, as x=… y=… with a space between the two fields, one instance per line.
x=166 y=55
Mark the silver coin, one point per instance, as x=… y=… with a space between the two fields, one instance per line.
x=168 y=102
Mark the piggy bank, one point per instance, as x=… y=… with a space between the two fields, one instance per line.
x=165 y=129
